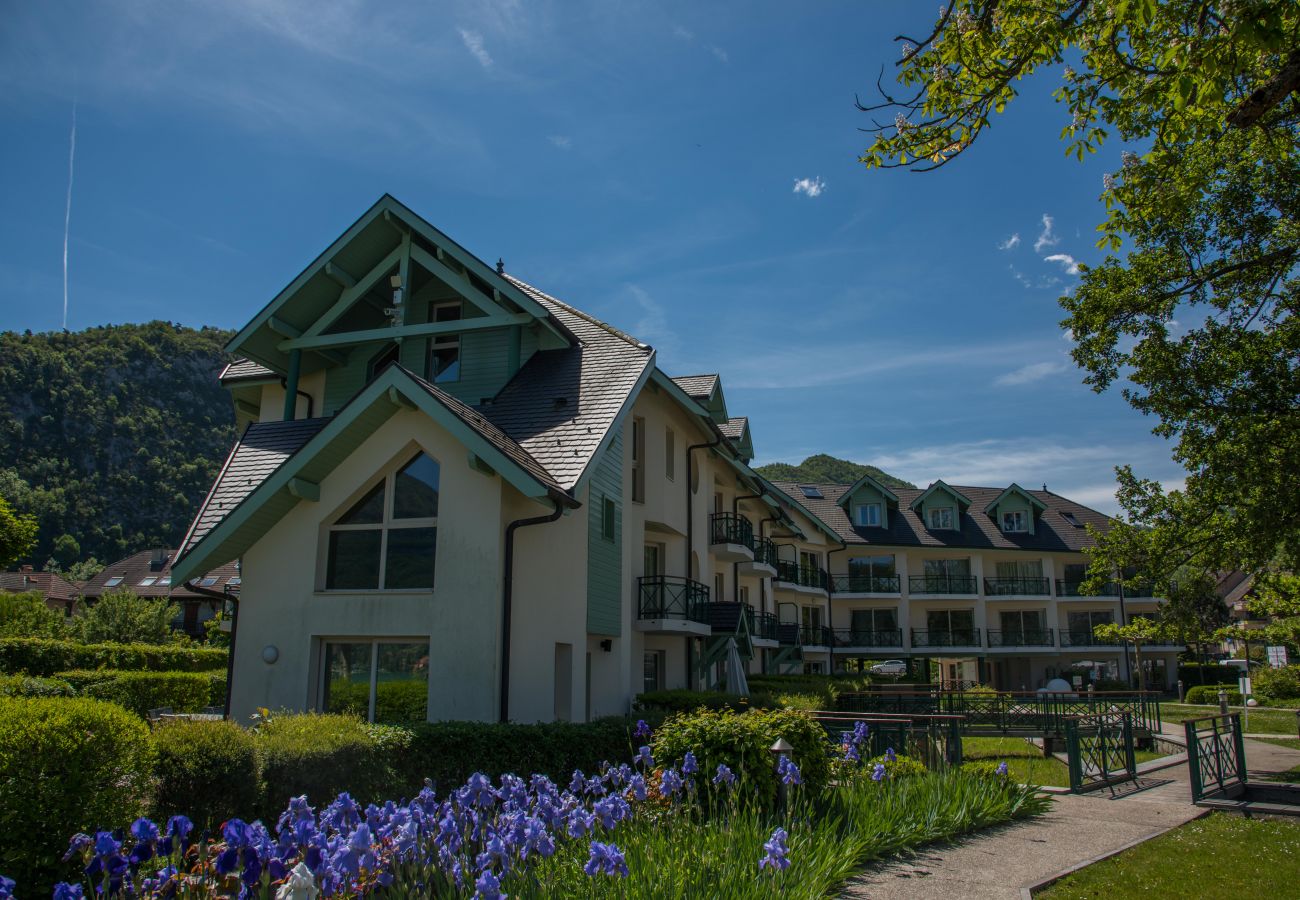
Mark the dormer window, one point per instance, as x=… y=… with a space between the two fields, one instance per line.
x=942 y=518
x=1015 y=522
x=444 y=349
x=867 y=515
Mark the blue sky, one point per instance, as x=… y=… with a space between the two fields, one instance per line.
x=686 y=171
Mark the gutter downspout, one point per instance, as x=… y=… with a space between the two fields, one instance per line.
x=224 y=596
x=690 y=493
x=507 y=598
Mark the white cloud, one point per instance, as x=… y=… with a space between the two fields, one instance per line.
x=682 y=33
x=473 y=42
x=1030 y=373
x=1067 y=262
x=1047 y=237
x=719 y=53
x=652 y=327
x=1010 y=243
x=563 y=141
x=813 y=187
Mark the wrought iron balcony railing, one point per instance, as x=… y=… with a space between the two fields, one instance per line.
x=1078 y=638
x=815 y=636
x=1072 y=589
x=1043 y=637
x=961 y=637
x=670 y=597
x=1002 y=587
x=765 y=625
x=865 y=584
x=942 y=584
x=787 y=632
x=807 y=576
x=727 y=528
x=859 y=637
x=765 y=552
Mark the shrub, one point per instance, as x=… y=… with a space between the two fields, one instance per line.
x=206 y=770
x=121 y=617
x=449 y=752
x=899 y=766
x=1210 y=694
x=66 y=765
x=320 y=755
x=44 y=657
x=31 y=686
x=26 y=615
x=985 y=768
x=143 y=691
x=741 y=740
x=1112 y=684
x=684 y=700
x=395 y=701
x=80 y=679
x=1277 y=684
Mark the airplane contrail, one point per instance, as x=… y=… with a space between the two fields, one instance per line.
x=67 y=212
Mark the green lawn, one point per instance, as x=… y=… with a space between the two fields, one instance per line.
x=1025 y=762
x=1219 y=857
x=1261 y=720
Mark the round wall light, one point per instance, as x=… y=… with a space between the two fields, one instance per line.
x=270 y=653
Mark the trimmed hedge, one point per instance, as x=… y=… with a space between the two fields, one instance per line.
x=320 y=755
x=66 y=765
x=81 y=679
x=449 y=752
x=143 y=691
x=207 y=771
x=31 y=686
x=1209 y=693
x=39 y=656
x=741 y=740
x=685 y=700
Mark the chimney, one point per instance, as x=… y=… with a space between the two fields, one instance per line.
x=26 y=569
x=157 y=559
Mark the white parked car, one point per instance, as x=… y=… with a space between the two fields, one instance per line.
x=890 y=667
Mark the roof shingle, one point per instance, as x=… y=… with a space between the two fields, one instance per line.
x=697 y=386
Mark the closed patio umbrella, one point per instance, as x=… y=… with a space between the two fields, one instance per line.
x=737 y=683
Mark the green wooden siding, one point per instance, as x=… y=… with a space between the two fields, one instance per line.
x=605 y=557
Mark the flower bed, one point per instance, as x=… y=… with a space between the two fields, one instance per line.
x=630 y=830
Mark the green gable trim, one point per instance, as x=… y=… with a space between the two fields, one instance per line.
x=866 y=480
x=940 y=486
x=370 y=409
x=1015 y=489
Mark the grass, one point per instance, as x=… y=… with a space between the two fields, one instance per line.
x=1025 y=762
x=1219 y=857
x=1262 y=720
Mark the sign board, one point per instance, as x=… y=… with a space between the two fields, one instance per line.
x=1277 y=657
x=1078 y=681
x=1243 y=685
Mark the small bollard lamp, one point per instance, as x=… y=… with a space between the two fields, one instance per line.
x=779 y=749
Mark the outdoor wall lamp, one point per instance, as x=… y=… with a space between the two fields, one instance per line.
x=270 y=653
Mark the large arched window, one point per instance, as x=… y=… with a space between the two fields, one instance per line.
x=387 y=539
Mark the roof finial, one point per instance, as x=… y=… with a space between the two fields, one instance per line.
x=501 y=266
x=1044 y=487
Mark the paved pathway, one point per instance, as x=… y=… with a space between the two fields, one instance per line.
x=1078 y=828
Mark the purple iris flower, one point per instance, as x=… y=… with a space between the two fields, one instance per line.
x=637 y=785
x=642 y=731
x=724 y=776
x=878 y=773
x=851 y=753
x=7 y=886
x=891 y=755
x=670 y=783
x=605 y=858
x=788 y=771
x=1002 y=768
x=78 y=843
x=62 y=890
x=536 y=839
x=689 y=764
x=488 y=886
x=775 y=851
x=643 y=758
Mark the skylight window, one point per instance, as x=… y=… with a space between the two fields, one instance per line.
x=146 y=582
x=1070 y=517
x=114 y=581
x=208 y=581
x=236 y=581
x=165 y=581
x=811 y=492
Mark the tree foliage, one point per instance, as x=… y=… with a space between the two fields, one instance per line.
x=110 y=436
x=120 y=617
x=825 y=469
x=1194 y=311
x=17 y=534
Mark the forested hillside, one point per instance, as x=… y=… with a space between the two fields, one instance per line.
x=827 y=470
x=110 y=436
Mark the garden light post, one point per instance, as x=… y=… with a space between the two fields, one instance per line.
x=779 y=750
x=1223 y=702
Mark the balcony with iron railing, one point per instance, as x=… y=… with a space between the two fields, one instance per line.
x=1074 y=589
x=765 y=626
x=815 y=636
x=862 y=637
x=1016 y=587
x=788 y=633
x=1079 y=638
x=802 y=576
x=1029 y=637
x=731 y=537
x=961 y=637
x=942 y=584
x=725 y=617
x=865 y=584
x=671 y=598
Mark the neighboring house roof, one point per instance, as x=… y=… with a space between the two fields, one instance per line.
x=1233 y=586
x=51 y=584
x=153 y=567
x=245 y=370
x=1054 y=531
x=697 y=386
x=733 y=428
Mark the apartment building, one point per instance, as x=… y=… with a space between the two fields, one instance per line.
x=457 y=497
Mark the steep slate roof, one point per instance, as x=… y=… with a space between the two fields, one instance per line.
x=696 y=386
x=245 y=370
x=140 y=567
x=594 y=381
x=978 y=531
x=734 y=428
x=262 y=449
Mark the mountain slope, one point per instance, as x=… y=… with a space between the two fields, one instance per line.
x=828 y=470
x=111 y=435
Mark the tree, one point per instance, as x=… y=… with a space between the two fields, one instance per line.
x=1194 y=613
x=17 y=534
x=26 y=615
x=1277 y=599
x=1138 y=631
x=124 y=618
x=1195 y=307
